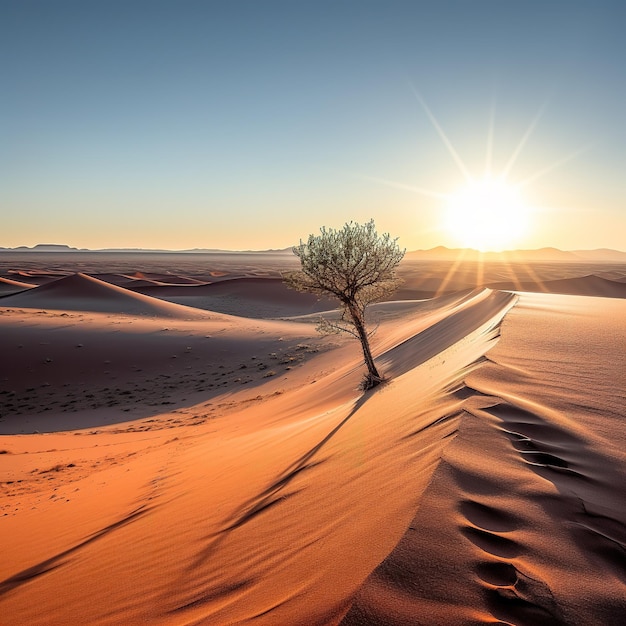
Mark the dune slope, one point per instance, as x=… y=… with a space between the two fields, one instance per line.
x=75 y=369
x=275 y=515
x=524 y=521
x=10 y=286
x=80 y=292
x=250 y=297
x=591 y=285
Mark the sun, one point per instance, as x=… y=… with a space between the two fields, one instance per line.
x=487 y=215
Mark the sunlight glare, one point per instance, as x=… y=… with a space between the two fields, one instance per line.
x=487 y=215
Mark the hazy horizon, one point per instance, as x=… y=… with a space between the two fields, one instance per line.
x=138 y=249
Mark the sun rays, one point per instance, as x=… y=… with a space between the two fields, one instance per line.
x=489 y=213
x=448 y=144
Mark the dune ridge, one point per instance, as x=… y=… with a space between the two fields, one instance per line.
x=524 y=521
x=277 y=514
x=7 y=285
x=423 y=278
x=79 y=292
x=590 y=285
x=250 y=297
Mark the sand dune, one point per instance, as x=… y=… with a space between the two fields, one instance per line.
x=168 y=268
x=8 y=286
x=166 y=279
x=120 y=280
x=64 y=370
x=581 y=286
x=524 y=521
x=250 y=297
x=80 y=292
x=235 y=516
x=37 y=277
x=422 y=277
x=219 y=469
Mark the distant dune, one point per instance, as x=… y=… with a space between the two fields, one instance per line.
x=250 y=297
x=191 y=279
x=7 y=285
x=80 y=292
x=47 y=247
x=583 y=286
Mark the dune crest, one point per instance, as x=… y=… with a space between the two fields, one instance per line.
x=591 y=285
x=278 y=513
x=250 y=297
x=7 y=285
x=79 y=292
x=524 y=520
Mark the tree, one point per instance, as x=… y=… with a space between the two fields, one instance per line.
x=357 y=266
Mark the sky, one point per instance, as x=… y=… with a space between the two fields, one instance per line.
x=250 y=124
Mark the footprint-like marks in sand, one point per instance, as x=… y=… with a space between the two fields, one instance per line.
x=532 y=426
x=497 y=573
x=537 y=454
x=492 y=543
x=486 y=527
x=487 y=517
x=513 y=603
x=547 y=450
x=511 y=596
x=540 y=444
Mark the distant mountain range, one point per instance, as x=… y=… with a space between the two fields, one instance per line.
x=541 y=254
x=54 y=247
x=440 y=253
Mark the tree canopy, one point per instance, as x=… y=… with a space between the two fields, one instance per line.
x=357 y=266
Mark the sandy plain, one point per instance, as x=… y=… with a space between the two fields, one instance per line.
x=179 y=446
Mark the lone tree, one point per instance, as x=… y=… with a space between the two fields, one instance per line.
x=357 y=266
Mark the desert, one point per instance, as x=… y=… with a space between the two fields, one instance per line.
x=207 y=457
x=312 y=313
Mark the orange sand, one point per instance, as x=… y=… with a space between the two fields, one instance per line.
x=484 y=483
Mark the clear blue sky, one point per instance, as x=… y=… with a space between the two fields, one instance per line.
x=250 y=124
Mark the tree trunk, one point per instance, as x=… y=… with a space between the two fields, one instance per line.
x=374 y=376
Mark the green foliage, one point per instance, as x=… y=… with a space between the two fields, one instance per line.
x=357 y=266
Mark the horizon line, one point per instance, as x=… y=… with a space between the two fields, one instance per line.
x=65 y=248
